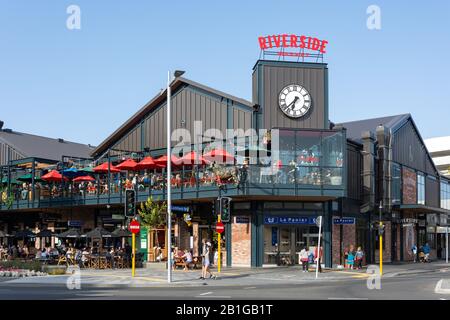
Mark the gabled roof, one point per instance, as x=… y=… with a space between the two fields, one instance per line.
x=155 y=102
x=393 y=123
x=29 y=145
x=356 y=128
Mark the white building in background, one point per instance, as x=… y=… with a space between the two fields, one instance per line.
x=439 y=149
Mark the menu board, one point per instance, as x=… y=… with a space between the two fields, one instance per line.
x=409 y=186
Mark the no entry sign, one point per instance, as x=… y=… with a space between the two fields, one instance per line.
x=134 y=226
x=220 y=227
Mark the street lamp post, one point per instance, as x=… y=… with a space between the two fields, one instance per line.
x=177 y=73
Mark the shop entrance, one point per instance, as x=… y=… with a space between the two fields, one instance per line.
x=282 y=244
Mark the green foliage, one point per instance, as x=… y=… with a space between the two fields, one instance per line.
x=7 y=198
x=153 y=213
x=19 y=264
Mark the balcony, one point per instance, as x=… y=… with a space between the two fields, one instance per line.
x=299 y=163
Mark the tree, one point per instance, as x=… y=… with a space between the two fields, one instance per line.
x=153 y=214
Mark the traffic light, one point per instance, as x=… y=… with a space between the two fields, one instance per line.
x=225 y=208
x=381 y=229
x=130 y=203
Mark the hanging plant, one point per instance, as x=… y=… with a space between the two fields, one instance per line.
x=7 y=198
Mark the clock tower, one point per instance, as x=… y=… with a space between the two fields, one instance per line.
x=291 y=94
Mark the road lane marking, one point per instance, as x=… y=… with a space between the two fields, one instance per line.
x=218 y=297
x=348 y=298
x=206 y=293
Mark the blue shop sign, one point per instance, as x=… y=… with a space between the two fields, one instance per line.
x=344 y=221
x=75 y=223
x=289 y=220
x=181 y=209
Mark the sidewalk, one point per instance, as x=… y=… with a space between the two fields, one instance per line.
x=155 y=275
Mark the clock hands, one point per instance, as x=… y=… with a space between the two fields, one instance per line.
x=292 y=103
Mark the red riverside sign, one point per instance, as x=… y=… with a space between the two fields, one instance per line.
x=134 y=226
x=292 y=41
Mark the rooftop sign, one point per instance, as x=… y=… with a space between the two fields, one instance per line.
x=296 y=45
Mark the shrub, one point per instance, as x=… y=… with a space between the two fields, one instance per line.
x=19 y=264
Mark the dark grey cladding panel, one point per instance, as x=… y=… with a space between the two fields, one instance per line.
x=188 y=105
x=275 y=77
x=432 y=193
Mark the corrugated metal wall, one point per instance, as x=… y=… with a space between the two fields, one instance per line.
x=354 y=172
x=188 y=105
x=275 y=78
x=408 y=150
x=4 y=154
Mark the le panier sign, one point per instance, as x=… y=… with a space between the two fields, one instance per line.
x=344 y=221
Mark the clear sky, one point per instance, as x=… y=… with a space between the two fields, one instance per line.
x=83 y=84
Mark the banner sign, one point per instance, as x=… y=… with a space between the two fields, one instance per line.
x=289 y=220
x=344 y=221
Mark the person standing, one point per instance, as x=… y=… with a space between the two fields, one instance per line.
x=203 y=254
x=304 y=258
x=318 y=257
x=414 y=252
x=359 y=258
x=350 y=260
x=426 y=251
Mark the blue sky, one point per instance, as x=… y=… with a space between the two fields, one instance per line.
x=81 y=85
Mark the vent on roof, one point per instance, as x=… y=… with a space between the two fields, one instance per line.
x=60 y=140
x=1 y=124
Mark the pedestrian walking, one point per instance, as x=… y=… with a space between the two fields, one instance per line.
x=426 y=251
x=359 y=258
x=414 y=252
x=304 y=259
x=207 y=263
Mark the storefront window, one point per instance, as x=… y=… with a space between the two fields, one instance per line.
x=420 y=188
x=396 y=183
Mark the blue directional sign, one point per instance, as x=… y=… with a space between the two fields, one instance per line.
x=289 y=220
x=344 y=221
x=180 y=208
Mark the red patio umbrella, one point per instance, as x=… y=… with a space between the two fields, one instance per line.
x=146 y=163
x=103 y=168
x=53 y=176
x=219 y=155
x=192 y=158
x=83 y=178
x=161 y=162
x=128 y=164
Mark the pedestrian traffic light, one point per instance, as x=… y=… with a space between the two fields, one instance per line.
x=225 y=208
x=381 y=229
x=130 y=203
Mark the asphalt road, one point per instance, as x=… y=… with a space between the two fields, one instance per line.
x=417 y=286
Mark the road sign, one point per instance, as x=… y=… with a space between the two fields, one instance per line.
x=134 y=226
x=220 y=227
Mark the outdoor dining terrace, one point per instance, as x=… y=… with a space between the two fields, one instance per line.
x=306 y=162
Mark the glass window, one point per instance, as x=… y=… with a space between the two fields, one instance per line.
x=420 y=188
x=396 y=183
x=445 y=195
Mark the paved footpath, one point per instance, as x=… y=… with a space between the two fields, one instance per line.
x=155 y=275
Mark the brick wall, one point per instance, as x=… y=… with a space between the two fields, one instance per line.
x=241 y=243
x=348 y=238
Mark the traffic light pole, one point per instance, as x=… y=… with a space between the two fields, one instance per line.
x=380 y=237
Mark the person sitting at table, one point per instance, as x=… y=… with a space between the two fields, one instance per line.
x=187 y=259
x=43 y=253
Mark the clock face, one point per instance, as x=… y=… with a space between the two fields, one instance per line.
x=294 y=100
